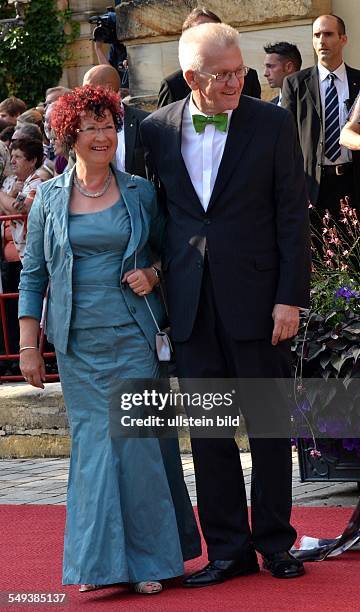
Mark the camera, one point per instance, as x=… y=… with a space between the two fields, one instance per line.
x=105 y=30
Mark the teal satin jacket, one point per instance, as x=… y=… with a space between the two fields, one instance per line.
x=48 y=256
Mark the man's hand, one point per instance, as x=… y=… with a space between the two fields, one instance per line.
x=286 y=322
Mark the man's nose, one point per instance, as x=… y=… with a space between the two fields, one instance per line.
x=266 y=72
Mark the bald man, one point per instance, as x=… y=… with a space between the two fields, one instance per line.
x=129 y=153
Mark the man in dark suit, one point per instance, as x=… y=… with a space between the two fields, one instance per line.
x=236 y=266
x=174 y=87
x=319 y=99
x=281 y=59
x=129 y=153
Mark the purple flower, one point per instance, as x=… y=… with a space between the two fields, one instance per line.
x=347 y=293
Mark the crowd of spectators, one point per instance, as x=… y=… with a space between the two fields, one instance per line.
x=29 y=155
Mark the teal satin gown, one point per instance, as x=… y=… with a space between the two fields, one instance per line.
x=121 y=524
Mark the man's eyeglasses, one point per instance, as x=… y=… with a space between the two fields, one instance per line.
x=92 y=130
x=222 y=77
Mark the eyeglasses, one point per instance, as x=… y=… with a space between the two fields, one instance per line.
x=223 y=77
x=92 y=130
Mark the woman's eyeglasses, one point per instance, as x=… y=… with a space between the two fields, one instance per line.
x=108 y=129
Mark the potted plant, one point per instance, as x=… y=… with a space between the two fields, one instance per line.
x=327 y=348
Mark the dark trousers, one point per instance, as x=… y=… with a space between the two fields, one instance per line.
x=333 y=188
x=211 y=353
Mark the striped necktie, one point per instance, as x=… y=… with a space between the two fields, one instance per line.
x=332 y=125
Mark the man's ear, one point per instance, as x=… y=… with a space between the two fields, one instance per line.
x=289 y=67
x=190 y=78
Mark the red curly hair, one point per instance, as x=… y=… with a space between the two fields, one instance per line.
x=68 y=110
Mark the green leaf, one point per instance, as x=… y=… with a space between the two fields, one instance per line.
x=315 y=350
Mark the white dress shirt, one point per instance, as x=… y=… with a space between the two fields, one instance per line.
x=202 y=153
x=341 y=84
x=120 y=151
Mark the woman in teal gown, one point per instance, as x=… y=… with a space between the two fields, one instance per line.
x=86 y=229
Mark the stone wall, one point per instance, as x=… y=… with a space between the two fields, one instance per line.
x=82 y=50
x=144 y=19
x=33 y=422
x=151 y=28
x=349 y=10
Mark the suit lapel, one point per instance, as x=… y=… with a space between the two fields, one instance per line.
x=312 y=84
x=353 y=77
x=129 y=136
x=241 y=130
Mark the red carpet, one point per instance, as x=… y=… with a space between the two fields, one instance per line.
x=31 y=555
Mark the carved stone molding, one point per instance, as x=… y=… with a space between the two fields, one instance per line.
x=144 y=19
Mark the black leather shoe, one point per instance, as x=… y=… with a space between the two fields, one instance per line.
x=283 y=565
x=219 y=571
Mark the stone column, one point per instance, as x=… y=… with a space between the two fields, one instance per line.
x=82 y=50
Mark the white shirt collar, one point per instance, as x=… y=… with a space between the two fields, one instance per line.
x=195 y=111
x=324 y=72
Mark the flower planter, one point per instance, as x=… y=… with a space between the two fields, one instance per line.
x=336 y=464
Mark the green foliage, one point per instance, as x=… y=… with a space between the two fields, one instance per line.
x=327 y=346
x=32 y=57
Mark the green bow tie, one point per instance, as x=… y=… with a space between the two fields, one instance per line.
x=201 y=121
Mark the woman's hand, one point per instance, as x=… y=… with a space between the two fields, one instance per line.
x=16 y=188
x=142 y=281
x=32 y=367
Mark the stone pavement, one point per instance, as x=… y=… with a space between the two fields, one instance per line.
x=43 y=481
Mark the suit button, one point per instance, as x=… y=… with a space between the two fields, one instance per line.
x=132 y=309
x=199 y=264
x=207 y=221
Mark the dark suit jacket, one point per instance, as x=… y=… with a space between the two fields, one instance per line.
x=255 y=230
x=301 y=96
x=174 y=87
x=275 y=100
x=134 y=152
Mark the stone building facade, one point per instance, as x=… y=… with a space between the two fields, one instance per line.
x=151 y=29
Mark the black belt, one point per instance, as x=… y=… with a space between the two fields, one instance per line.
x=337 y=170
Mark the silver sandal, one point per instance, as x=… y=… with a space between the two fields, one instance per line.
x=89 y=587
x=147 y=587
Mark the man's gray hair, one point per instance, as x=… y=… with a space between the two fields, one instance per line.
x=195 y=41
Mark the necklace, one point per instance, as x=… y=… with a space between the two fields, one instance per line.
x=93 y=194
